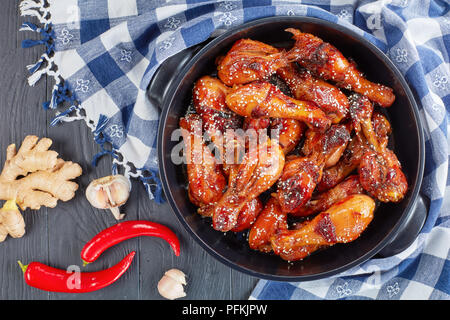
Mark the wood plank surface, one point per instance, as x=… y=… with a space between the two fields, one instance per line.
x=17 y=102
x=56 y=236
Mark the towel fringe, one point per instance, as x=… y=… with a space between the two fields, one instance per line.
x=29 y=4
x=153 y=181
x=28 y=26
x=66 y=116
x=35 y=9
x=39 y=10
x=61 y=94
x=101 y=139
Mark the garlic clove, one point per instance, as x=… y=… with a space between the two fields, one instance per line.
x=116 y=213
x=177 y=275
x=109 y=193
x=171 y=284
x=170 y=289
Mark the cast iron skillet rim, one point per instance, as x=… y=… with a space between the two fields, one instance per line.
x=165 y=111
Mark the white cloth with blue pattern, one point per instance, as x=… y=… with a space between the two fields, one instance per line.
x=106 y=52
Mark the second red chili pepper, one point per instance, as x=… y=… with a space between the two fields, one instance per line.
x=124 y=231
x=46 y=278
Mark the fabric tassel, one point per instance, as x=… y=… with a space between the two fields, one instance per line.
x=100 y=139
x=52 y=104
x=35 y=77
x=31 y=12
x=59 y=95
x=101 y=124
x=29 y=4
x=98 y=156
x=114 y=169
x=28 y=26
x=47 y=36
x=28 y=43
x=32 y=68
x=35 y=9
x=64 y=116
x=61 y=115
x=149 y=191
x=155 y=194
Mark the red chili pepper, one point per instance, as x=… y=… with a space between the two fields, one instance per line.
x=124 y=231
x=46 y=278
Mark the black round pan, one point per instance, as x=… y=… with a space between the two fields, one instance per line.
x=394 y=225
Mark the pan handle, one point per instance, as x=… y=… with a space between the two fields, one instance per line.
x=409 y=230
x=166 y=74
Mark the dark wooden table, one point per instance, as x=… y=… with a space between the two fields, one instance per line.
x=56 y=236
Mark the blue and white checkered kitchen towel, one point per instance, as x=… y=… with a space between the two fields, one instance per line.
x=103 y=53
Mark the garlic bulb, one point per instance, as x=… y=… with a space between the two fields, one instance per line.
x=171 y=284
x=109 y=193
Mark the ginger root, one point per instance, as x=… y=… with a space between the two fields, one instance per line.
x=33 y=177
x=11 y=221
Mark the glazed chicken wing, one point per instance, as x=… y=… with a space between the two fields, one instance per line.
x=210 y=93
x=323 y=201
x=361 y=111
x=305 y=86
x=300 y=252
x=360 y=122
x=327 y=147
x=341 y=223
x=297 y=183
x=260 y=169
x=256 y=123
x=209 y=101
x=269 y=223
x=270 y=220
x=382 y=128
x=249 y=60
x=264 y=100
x=352 y=156
x=345 y=166
x=301 y=175
x=206 y=180
x=248 y=215
x=381 y=175
x=380 y=172
x=289 y=131
x=328 y=63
